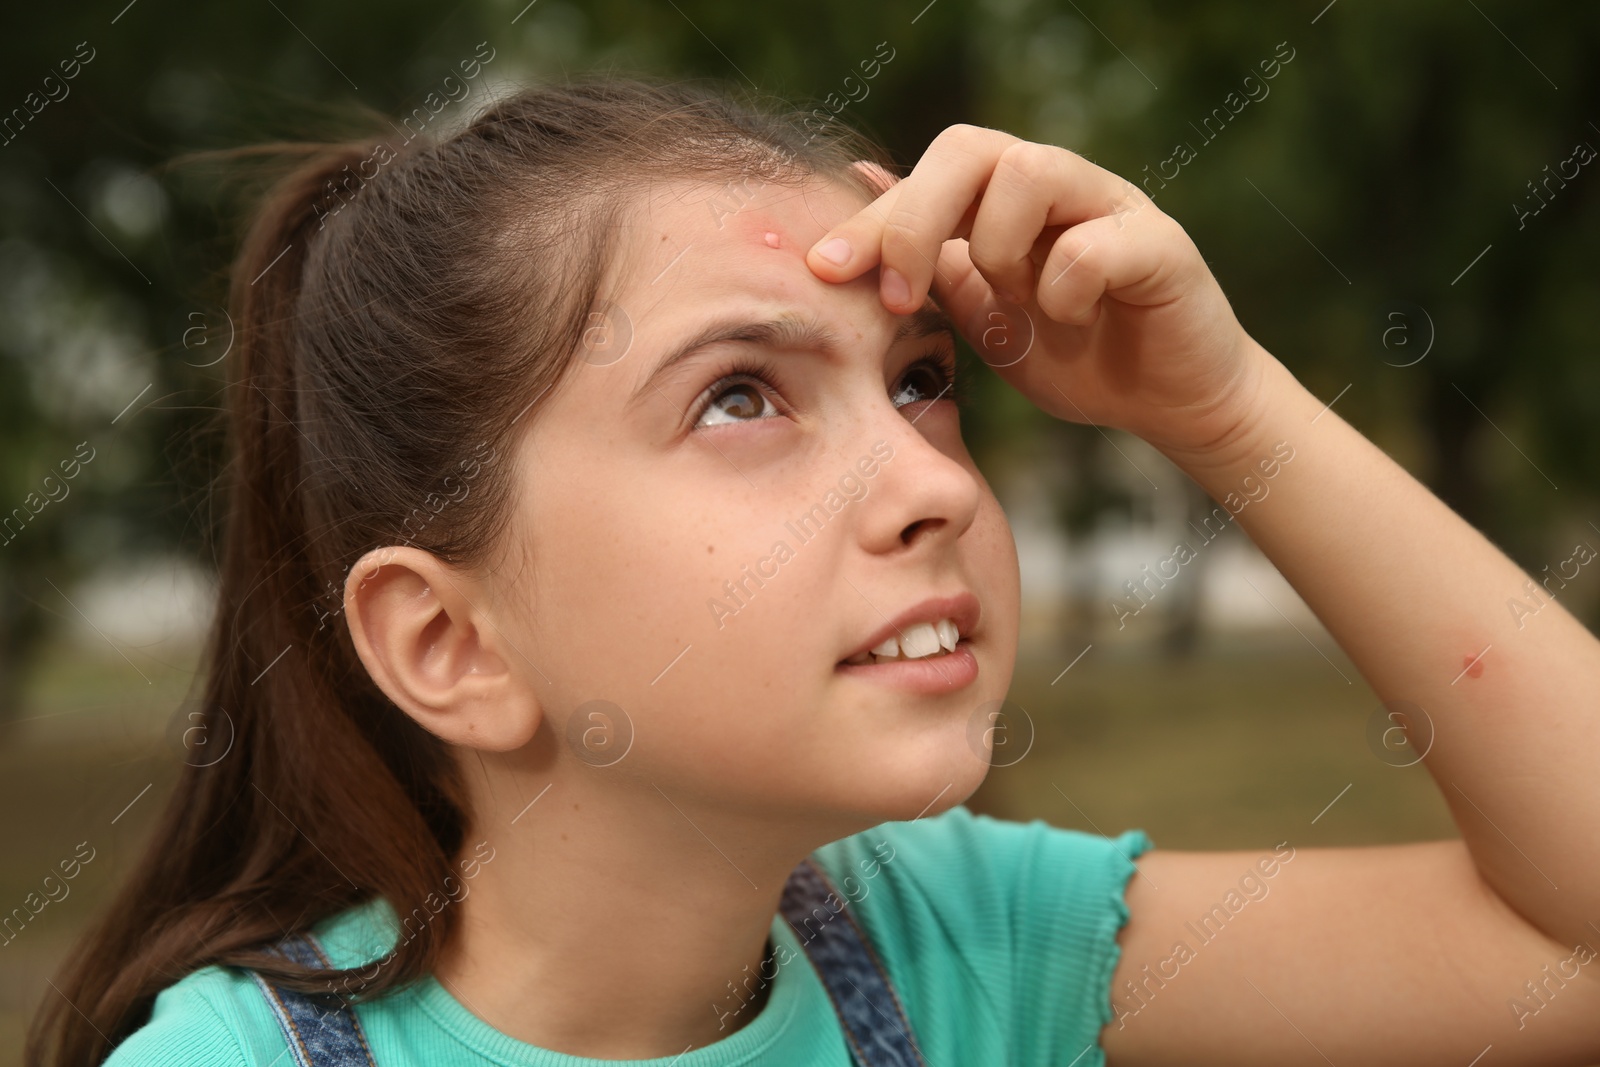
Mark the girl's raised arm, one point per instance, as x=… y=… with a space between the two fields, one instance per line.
x=1425 y=953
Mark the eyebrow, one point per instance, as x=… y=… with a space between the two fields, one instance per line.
x=789 y=330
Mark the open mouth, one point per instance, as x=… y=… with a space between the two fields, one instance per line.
x=921 y=640
x=926 y=649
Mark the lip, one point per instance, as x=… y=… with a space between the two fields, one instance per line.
x=928 y=676
x=961 y=608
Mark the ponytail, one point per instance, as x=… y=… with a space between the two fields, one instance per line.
x=324 y=783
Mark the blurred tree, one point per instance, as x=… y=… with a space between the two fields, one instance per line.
x=1431 y=128
x=112 y=329
x=1387 y=211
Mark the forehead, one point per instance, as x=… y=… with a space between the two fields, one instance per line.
x=691 y=242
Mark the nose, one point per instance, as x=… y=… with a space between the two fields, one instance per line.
x=925 y=496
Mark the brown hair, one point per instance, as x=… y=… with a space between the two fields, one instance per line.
x=398 y=311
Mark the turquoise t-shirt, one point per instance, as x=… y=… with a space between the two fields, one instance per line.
x=999 y=936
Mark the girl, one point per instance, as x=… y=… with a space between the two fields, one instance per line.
x=612 y=619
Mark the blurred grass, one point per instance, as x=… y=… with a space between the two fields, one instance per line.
x=1240 y=747
x=87 y=740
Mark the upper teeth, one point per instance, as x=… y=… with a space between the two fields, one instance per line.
x=914 y=642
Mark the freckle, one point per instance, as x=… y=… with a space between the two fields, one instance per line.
x=710 y=549
x=772 y=239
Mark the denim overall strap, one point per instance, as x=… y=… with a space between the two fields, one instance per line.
x=874 y=1023
x=319 y=1034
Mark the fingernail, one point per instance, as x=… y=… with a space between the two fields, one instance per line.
x=894 y=287
x=836 y=251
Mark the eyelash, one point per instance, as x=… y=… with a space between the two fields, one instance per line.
x=763 y=372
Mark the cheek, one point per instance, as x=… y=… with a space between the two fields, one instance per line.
x=995 y=567
x=616 y=570
x=629 y=566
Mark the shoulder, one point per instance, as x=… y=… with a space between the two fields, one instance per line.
x=961 y=859
x=217 y=1016
x=1021 y=916
x=202 y=1020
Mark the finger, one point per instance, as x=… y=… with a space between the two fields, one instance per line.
x=941 y=190
x=963 y=293
x=1002 y=334
x=953 y=174
x=905 y=243
x=1036 y=186
x=819 y=259
x=1103 y=257
x=843 y=252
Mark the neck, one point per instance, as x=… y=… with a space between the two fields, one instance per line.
x=621 y=924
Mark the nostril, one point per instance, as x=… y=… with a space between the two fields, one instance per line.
x=916 y=529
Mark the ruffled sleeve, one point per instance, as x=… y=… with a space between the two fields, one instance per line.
x=1001 y=936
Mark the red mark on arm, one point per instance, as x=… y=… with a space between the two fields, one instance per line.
x=1473 y=665
x=772 y=239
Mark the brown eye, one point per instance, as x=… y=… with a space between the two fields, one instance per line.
x=740 y=402
x=924 y=381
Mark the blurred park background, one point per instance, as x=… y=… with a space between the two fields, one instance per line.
x=1397 y=199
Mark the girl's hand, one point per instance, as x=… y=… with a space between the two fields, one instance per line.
x=1120 y=319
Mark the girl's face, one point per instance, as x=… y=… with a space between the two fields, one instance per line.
x=702 y=537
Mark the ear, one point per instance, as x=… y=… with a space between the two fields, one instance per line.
x=419 y=629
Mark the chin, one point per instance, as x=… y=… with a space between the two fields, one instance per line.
x=921 y=784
